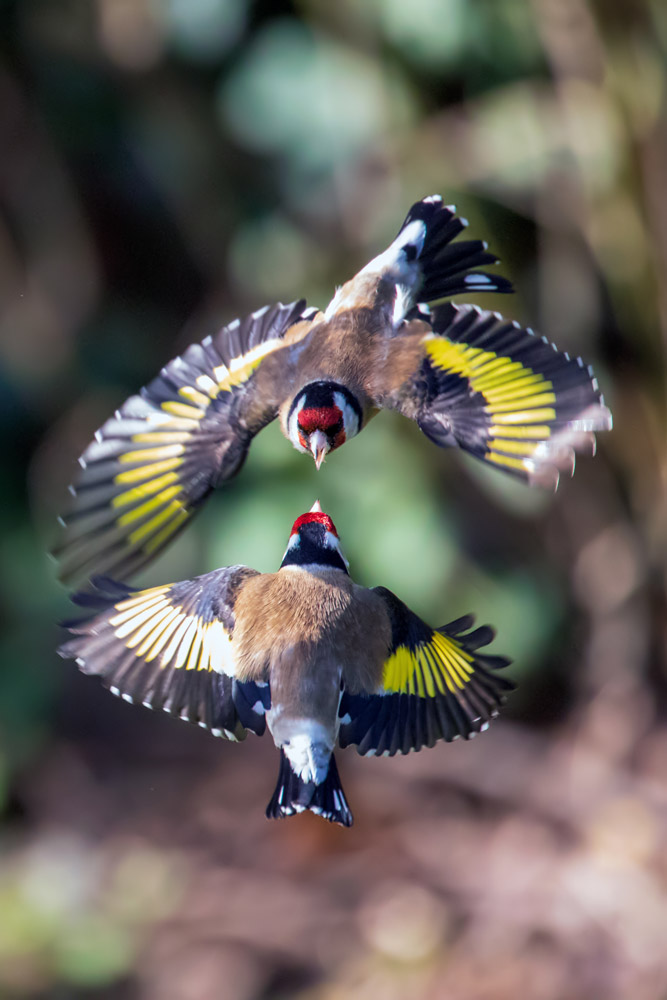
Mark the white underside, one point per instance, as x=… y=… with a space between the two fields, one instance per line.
x=307 y=744
x=309 y=758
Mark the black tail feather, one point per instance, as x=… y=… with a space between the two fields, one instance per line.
x=450 y=268
x=292 y=795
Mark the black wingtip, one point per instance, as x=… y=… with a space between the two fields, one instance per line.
x=292 y=795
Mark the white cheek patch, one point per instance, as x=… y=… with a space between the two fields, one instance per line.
x=293 y=428
x=332 y=542
x=294 y=542
x=350 y=418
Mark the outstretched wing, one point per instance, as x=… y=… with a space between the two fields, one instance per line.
x=435 y=686
x=487 y=385
x=153 y=464
x=170 y=648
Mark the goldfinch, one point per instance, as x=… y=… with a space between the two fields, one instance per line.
x=469 y=378
x=304 y=651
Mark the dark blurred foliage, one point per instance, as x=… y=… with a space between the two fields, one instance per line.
x=166 y=165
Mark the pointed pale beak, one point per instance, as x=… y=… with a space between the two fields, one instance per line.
x=319 y=446
x=316 y=508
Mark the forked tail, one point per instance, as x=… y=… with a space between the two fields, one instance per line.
x=447 y=268
x=293 y=795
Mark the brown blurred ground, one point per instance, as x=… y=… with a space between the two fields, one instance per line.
x=165 y=166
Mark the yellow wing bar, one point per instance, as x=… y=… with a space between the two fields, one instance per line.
x=155 y=627
x=435 y=686
x=505 y=395
x=518 y=400
x=154 y=463
x=171 y=648
x=440 y=666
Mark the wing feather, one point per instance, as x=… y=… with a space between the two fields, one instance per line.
x=434 y=687
x=170 y=648
x=500 y=392
x=153 y=464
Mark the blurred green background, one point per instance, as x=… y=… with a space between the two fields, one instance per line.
x=167 y=165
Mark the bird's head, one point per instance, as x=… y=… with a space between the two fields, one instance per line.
x=314 y=541
x=323 y=416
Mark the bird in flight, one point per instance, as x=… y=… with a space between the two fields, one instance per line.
x=469 y=378
x=305 y=651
